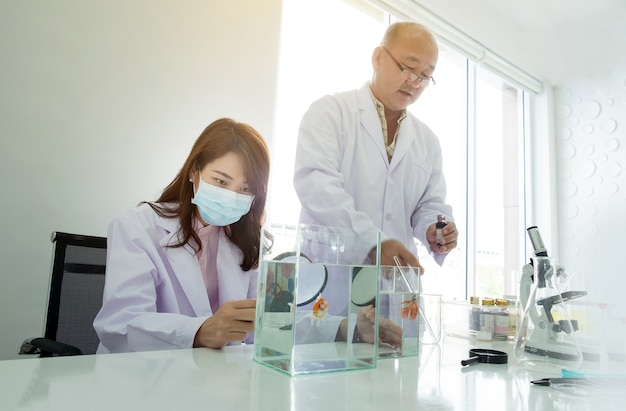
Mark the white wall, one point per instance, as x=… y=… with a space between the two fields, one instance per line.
x=491 y=28
x=591 y=146
x=590 y=131
x=99 y=105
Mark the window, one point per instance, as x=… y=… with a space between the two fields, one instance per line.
x=314 y=61
x=475 y=113
x=497 y=209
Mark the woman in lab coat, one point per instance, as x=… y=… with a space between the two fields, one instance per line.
x=181 y=271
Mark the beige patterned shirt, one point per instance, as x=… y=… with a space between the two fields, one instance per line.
x=383 y=121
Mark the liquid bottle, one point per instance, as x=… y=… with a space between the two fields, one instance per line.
x=441 y=223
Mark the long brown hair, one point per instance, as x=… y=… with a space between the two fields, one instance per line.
x=219 y=138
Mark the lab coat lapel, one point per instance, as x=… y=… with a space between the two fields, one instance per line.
x=186 y=270
x=370 y=121
x=403 y=143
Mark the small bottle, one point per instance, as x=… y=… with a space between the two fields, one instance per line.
x=474 y=315
x=487 y=320
x=513 y=310
x=501 y=320
x=441 y=223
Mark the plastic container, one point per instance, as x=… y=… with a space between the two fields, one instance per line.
x=464 y=319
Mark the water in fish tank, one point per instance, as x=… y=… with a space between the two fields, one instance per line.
x=309 y=300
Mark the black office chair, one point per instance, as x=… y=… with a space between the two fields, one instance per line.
x=76 y=287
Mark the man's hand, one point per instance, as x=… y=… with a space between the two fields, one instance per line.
x=394 y=248
x=447 y=243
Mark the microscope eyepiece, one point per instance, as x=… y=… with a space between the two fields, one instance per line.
x=537 y=242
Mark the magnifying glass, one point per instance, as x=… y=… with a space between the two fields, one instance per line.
x=312 y=279
x=486 y=356
x=364 y=286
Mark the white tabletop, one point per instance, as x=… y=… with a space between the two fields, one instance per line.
x=228 y=379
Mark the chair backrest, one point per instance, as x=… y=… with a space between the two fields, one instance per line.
x=76 y=287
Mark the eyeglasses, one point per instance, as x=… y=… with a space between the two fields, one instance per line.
x=409 y=75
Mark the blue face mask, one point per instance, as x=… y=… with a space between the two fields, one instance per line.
x=219 y=206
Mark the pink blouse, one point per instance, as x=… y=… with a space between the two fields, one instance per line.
x=207 y=257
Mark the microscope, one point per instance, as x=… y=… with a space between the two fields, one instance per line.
x=546 y=334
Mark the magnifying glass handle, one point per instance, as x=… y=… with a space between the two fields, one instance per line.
x=470 y=361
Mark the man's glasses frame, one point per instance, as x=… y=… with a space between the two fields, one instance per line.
x=409 y=75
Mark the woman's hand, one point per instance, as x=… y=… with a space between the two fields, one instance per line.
x=388 y=331
x=231 y=322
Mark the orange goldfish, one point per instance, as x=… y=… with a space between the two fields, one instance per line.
x=409 y=309
x=320 y=307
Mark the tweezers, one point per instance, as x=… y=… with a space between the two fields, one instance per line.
x=581 y=382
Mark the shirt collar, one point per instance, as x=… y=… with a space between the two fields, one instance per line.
x=380 y=107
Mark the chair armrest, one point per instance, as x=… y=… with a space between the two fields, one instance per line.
x=39 y=345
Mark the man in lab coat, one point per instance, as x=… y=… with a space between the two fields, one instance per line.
x=363 y=161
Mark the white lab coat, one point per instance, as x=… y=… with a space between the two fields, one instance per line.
x=343 y=177
x=155 y=297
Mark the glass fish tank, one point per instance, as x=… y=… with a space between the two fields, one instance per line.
x=316 y=301
x=400 y=311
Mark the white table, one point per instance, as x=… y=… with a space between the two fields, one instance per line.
x=206 y=379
